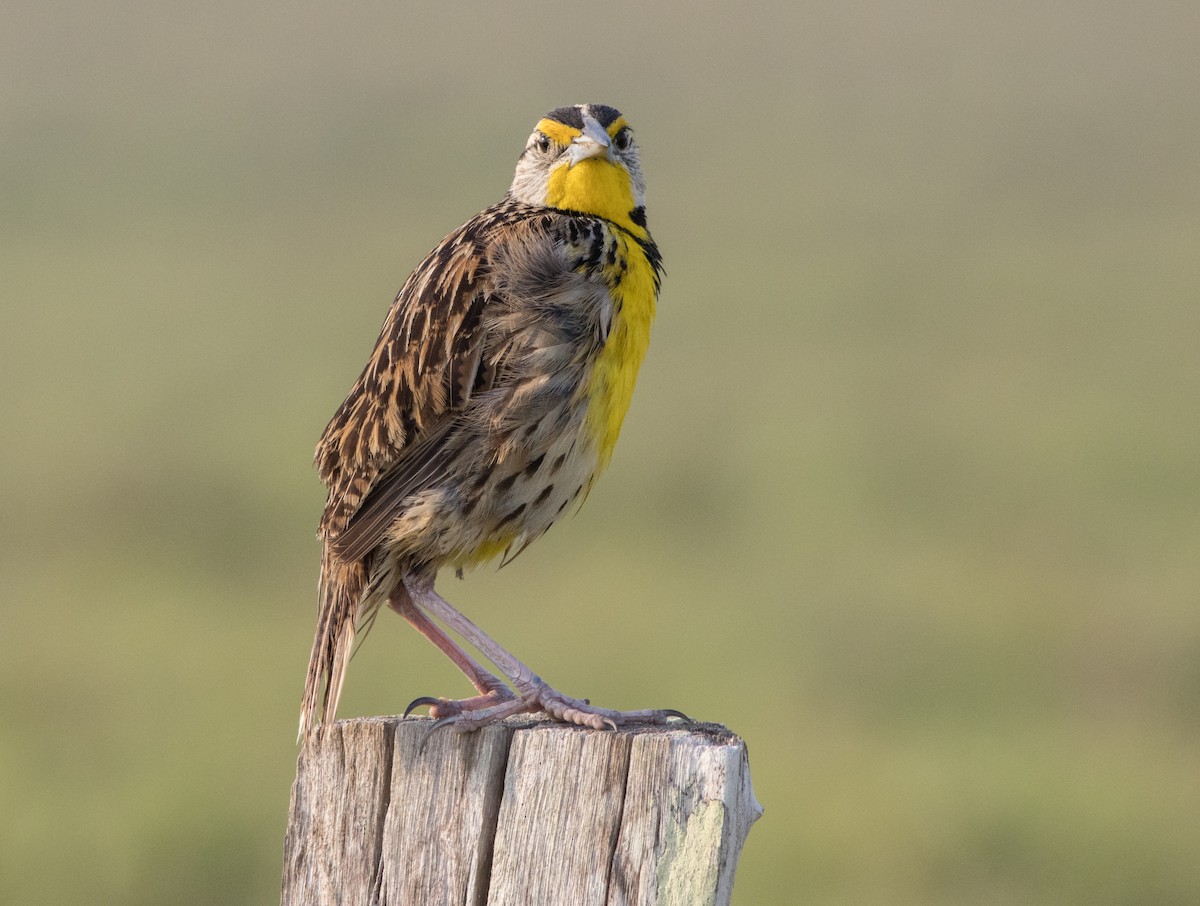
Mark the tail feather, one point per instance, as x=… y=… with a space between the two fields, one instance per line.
x=341 y=588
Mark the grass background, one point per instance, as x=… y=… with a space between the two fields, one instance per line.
x=908 y=496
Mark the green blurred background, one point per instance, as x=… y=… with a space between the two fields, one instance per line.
x=908 y=496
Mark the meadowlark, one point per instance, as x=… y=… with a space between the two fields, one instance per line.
x=491 y=404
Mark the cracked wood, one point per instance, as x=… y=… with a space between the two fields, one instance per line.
x=527 y=811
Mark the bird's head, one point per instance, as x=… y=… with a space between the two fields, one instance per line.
x=584 y=159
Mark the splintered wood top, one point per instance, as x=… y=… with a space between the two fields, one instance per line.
x=528 y=811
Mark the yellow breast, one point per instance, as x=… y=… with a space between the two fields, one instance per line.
x=610 y=385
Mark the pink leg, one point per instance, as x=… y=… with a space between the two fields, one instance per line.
x=491 y=689
x=534 y=694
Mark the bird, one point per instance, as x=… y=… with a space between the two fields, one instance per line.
x=489 y=407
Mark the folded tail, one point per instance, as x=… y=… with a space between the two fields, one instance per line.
x=341 y=588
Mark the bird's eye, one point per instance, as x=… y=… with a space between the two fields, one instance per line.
x=623 y=139
x=541 y=142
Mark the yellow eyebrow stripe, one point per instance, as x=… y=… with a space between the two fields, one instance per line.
x=562 y=134
x=557 y=132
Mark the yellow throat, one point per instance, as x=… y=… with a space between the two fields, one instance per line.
x=595 y=184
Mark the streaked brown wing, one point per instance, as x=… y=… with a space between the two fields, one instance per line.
x=418 y=466
x=426 y=364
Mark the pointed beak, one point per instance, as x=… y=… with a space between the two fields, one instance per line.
x=592 y=143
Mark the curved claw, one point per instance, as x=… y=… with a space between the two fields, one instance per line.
x=424 y=700
x=671 y=712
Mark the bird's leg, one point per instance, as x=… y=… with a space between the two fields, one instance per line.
x=534 y=694
x=492 y=690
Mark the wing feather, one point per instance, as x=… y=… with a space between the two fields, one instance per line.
x=425 y=365
x=418 y=467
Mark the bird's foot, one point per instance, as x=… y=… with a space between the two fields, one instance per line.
x=583 y=713
x=537 y=697
x=451 y=708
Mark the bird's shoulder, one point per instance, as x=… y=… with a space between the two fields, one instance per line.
x=433 y=354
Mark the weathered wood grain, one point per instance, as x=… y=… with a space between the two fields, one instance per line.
x=525 y=812
x=688 y=809
x=437 y=838
x=560 y=817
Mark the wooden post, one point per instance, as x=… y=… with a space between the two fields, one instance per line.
x=524 y=812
